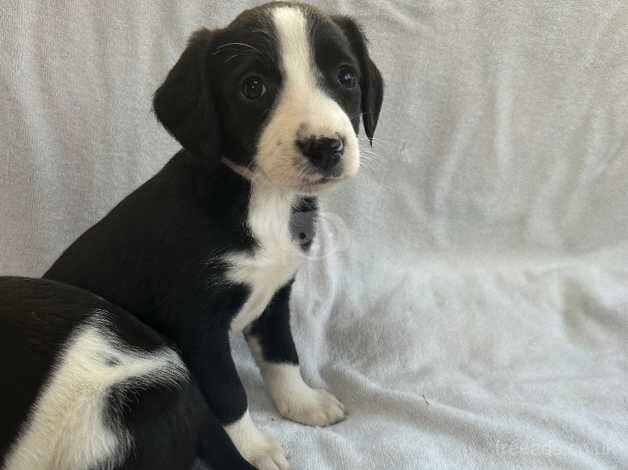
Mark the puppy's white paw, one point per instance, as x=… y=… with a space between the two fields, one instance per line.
x=266 y=454
x=296 y=400
x=261 y=451
x=311 y=407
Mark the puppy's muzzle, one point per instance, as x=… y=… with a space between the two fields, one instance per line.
x=324 y=153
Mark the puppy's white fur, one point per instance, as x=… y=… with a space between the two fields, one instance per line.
x=66 y=430
x=303 y=108
x=276 y=259
x=257 y=448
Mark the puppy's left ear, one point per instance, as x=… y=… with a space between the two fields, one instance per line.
x=184 y=103
x=371 y=81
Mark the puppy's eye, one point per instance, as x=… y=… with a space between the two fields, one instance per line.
x=253 y=87
x=347 y=78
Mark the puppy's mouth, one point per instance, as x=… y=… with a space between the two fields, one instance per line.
x=308 y=184
x=319 y=184
x=325 y=180
x=314 y=180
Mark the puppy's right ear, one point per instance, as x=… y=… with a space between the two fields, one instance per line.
x=184 y=103
x=371 y=81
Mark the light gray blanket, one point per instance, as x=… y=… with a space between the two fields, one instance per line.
x=470 y=300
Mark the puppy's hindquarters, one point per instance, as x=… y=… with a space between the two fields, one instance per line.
x=170 y=427
x=87 y=386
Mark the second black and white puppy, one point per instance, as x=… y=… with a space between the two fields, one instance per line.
x=267 y=111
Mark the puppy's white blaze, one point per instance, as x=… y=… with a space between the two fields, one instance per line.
x=302 y=108
x=276 y=259
x=66 y=429
x=296 y=60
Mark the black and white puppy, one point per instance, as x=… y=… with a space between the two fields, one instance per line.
x=87 y=386
x=267 y=111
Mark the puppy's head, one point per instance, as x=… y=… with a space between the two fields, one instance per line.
x=279 y=92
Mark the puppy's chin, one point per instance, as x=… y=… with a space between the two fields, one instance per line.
x=310 y=185
x=312 y=189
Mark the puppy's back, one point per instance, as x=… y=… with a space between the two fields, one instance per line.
x=86 y=385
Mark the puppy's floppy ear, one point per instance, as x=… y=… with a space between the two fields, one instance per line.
x=184 y=103
x=371 y=81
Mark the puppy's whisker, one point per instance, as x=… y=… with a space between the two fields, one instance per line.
x=368 y=169
x=220 y=48
x=235 y=56
x=368 y=163
x=266 y=34
x=377 y=140
x=371 y=159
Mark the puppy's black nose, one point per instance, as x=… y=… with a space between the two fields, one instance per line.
x=323 y=152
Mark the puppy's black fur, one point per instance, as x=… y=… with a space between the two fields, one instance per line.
x=158 y=253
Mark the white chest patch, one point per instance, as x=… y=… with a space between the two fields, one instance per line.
x=276 y=259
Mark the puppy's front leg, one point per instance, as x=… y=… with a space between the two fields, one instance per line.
x=271 y=343
x=208 y=355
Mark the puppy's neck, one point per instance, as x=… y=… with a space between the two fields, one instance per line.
x=270 y=207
